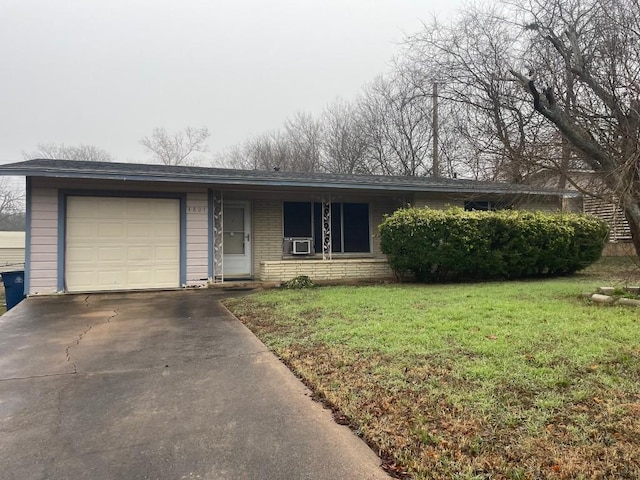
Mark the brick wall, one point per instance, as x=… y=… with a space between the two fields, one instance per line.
x=378 y=210
x=342 y=269
x=267 y=233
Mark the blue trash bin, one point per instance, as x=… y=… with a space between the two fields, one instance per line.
x=13 y=287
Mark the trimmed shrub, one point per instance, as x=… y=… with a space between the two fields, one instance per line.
x=444 y=245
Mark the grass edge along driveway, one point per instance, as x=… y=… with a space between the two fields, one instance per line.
x=517 y=380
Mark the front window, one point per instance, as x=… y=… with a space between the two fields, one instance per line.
x=470 y=205
x=350 y=231
x=298 y=219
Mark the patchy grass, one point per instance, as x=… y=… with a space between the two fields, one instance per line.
x=3 y=304
x=616 y=271
x=517 y=380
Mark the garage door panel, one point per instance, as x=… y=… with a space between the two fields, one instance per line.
x=163 y=230
x=164 y=276
x=122 y=243
x=144 y=209
x=86 y=209
x=109 y=254
x=166 y=254
x=140 y=278
x=111 y=229
x=139 y=254
x=84 y=255
x=141 y=230
x=86 y=277
x=82 y=229
x=106 y=206
x=108 y=279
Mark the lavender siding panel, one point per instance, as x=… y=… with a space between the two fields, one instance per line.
x=44 y=241
x=197 y=238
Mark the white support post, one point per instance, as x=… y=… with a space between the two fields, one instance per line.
x=218 y=237
x=326 y=229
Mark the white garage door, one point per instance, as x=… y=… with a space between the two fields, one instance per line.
x=117 y=243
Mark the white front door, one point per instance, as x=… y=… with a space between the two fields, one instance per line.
x=236 y=238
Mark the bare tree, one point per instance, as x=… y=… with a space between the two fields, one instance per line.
x=178 y=148
x=60 y=151
x=344 y=144
x=11 y=207
x=303 y=135
x=498 y=132
x=545 y=88
x=595 y=44
x=397 y=122
x=296 y=147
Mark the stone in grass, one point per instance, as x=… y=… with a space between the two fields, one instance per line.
x=634 y=290
x=629 y=302
x=602 y=298
x=606 y=290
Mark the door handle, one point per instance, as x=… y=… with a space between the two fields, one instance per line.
x=248 y=237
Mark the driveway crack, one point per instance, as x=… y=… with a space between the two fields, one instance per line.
x=31 y=377
x=83 y=334
x=77 y=342
x=115 y=314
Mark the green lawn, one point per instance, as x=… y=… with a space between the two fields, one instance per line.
x=498 y=380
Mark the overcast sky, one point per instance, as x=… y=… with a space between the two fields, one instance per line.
x=106 y=72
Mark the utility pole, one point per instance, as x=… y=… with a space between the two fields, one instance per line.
x=435 y=170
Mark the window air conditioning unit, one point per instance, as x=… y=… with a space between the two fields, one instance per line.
x=301 y=246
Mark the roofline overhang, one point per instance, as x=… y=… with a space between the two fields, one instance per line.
x=258 y=182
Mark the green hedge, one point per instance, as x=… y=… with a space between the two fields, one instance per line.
x=443 y=245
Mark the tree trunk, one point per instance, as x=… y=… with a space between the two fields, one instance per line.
x=632 y=213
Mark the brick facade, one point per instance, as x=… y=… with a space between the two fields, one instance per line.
x=269 y=261
x=267 y=233
x=318 y=270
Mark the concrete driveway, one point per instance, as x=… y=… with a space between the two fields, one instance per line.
x=164 y=385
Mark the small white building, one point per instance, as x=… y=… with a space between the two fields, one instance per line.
x=11 y=251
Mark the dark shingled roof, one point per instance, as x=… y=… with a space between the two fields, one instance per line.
x=257 y=178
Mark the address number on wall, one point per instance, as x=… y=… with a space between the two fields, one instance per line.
x=196 y=209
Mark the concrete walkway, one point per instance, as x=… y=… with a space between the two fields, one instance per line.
x=164 y=385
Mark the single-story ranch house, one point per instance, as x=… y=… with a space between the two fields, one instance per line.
x=95 y=226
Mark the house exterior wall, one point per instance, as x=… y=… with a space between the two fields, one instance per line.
x=611 y=213
x=267 y=233
x=11 y=251
x=47 y=225
x=528 y=202
x=540 y=204
x=573 y=204
x=378 y=211
x=321 y=270
x=43 y=262
x=46 y=220
x=197 y=238
x=11 y=258
x=435 y=201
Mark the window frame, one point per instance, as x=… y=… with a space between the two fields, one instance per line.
x=492 y=205
x=314 y=222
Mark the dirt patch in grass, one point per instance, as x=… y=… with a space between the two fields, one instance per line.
x=496 y=381
x=624 y=270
